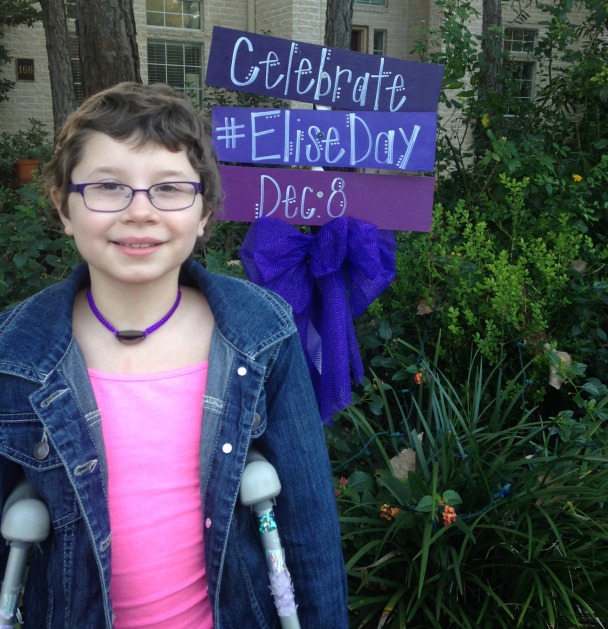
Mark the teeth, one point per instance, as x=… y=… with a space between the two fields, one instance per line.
x=138 y=245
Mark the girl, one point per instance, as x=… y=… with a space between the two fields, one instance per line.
x=132 y=391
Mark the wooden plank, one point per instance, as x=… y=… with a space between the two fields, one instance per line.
x=309 y=73
x=368 y=139
x=307 y=197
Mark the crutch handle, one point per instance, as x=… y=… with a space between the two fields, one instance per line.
x=260 y=482
x=25 y=521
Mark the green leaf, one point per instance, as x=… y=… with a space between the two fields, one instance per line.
x=361 y=552
x=451 y=497
x=401 y=374
x=398 y=488
x=591 y=389
x=376 y=407
x=359 y=481
x=385 y=331
x=20 y=259
x=426 y=543
x=425 y=505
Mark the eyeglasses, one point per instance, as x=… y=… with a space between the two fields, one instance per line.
x=108 y=196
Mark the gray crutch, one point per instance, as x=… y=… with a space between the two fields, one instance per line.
x=25 y=521
x=259 y=487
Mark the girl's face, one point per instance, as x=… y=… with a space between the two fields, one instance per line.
x=139 y=244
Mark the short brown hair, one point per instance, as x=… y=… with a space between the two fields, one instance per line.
x=150 y=113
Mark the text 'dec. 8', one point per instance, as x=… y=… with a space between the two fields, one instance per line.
x=291 y=201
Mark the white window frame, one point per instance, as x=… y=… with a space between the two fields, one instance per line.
x=519 y=40
x=525 y=79
x=70 y=9
x=373 y=3
x=76 y=68
x=520 y=44
x=194 y=91
x=379 y=50
x=182 y=19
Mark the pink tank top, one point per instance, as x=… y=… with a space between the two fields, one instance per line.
x=151 y=427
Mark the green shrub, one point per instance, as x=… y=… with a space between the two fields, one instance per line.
x=527 y=546
x=521 y=268
x=34 y=252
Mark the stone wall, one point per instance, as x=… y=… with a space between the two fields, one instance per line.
x=29 y=99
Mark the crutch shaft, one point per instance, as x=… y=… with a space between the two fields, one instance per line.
x=13 y=582
x=259 y=488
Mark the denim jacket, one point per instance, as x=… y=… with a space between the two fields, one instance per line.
x=258 y=390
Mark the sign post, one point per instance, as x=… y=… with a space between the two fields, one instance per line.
x=371 y=113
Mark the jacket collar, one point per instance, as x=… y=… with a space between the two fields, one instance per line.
x=36 y=334
x=248 y=317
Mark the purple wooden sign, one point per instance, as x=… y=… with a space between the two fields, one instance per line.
x=366 y=139
x=316 y=74
x=304 y=197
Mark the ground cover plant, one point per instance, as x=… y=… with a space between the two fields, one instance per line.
x=458 y=509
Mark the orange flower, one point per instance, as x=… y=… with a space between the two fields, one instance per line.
x=449 y=515
x=418 y=378
x=343 y=481
x=389 y=513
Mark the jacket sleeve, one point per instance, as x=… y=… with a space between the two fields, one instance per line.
x=306 y=511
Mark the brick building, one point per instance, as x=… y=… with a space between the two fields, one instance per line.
x=174 y=37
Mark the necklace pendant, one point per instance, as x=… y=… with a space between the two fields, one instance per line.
x=130 y=337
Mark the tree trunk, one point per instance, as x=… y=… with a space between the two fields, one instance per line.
x=491 y=44
x=339 y=23
x=107 y=43
x=60 y=64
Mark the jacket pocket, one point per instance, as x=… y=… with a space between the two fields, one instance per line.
x=23 y=440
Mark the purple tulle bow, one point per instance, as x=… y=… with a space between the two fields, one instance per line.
x=327 y=278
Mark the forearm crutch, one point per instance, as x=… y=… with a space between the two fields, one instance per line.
x=25 y=521
x=259 y=487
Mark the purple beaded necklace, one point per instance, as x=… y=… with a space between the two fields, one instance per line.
x=131 y=336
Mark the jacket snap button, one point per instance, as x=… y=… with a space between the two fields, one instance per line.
x=208 y=523
x=41 y=450
x=256 y=420
x=241 y=371
x=227 y=448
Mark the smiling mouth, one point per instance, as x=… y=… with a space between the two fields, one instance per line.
x=138 y=245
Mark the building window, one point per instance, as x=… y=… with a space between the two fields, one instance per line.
x=379 y=43
x=522 y=73
x=520 y=44
x=76 y=69
x=70 y=9
x=178 y=65
x=376 y=3
x=358 y=39
x=519 y=40
x=174 y=13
